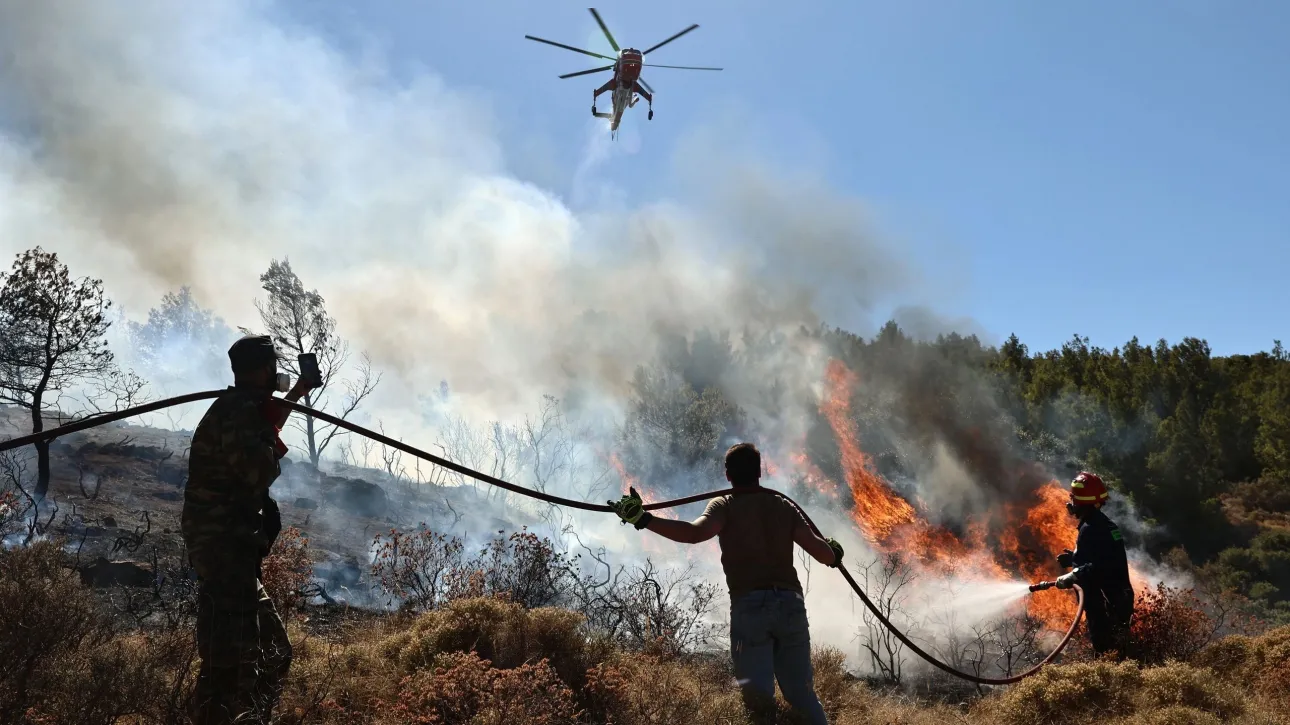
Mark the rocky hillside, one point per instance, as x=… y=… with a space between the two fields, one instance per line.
x=117 y=494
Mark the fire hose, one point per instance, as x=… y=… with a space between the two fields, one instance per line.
x=110 y=417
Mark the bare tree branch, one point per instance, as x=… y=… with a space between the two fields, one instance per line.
x=298 y=320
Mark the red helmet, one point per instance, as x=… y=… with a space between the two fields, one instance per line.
x=1087 y=488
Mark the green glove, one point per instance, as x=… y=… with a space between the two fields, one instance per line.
x=631 y=509
x=837 y=552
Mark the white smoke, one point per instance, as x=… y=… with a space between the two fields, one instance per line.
x=162 y=144
x=157 y=144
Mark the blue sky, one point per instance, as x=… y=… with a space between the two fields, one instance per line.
x=1107 y=169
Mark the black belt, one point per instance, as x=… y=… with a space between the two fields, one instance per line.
x=794 y=592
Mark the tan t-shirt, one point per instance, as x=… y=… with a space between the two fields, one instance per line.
x=756 y=541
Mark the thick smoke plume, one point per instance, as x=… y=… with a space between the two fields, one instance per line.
x=162 y=144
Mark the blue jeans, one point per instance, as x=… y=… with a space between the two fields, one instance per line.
x=770 y=640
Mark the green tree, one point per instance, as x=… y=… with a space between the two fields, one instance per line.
x=54 y=330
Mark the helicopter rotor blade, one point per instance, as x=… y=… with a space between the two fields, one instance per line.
x=604 y=28
x=665 y=42
x=570 y=47
x=587 y=72
x=645 y=85
x=679 y=67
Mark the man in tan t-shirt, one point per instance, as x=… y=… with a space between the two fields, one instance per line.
x=769 y=636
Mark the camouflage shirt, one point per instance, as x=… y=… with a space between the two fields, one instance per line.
x=231 y=464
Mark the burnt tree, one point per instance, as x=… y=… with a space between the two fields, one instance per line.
x=297 y=319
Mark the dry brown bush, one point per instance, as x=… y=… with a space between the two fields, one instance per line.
x=492 y=661
x=63 y=661
x=462 y=688
x=1078 y=693
x=286 y=570
x=1186 y=686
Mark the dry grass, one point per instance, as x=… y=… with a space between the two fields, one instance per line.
x=487 y=661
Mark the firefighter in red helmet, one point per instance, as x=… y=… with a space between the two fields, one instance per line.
x=1101 y=566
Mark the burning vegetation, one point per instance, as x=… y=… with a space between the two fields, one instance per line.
x=857 y=446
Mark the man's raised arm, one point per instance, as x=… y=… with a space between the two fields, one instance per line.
x=631 y=509
x=687 y=532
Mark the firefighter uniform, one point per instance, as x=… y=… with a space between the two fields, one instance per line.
x=1101 y=566
x=1103 y=573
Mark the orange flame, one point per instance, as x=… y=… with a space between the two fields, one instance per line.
x=1018 y=541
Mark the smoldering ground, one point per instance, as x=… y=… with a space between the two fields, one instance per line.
x=159 y=144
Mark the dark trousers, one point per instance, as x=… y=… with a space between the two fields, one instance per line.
x=242 y=642
x=1108 y=616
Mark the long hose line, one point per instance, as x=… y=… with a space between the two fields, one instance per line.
x=105 y=418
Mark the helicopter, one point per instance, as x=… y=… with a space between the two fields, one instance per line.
x=626 y=84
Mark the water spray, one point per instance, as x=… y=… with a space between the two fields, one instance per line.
x=101 y=419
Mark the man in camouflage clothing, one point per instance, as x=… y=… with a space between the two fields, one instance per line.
x=229 y=522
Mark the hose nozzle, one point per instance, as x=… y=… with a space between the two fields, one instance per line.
x=1042 y=586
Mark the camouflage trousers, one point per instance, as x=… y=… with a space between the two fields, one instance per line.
x=242 y=642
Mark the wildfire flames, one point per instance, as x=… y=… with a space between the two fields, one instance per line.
x=1018 y=540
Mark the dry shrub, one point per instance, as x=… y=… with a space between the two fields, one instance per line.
x=1228 y=657
x=1173 y=715
x=640 y=689
x=1268 y=667
x=416 y=567
x=501 y=632
x=462 y=688
x=604 y=693
x=1261 y=663
x=426 y=569
x=1170 y=624
x=10 y=513
x=1071 y=694
x=866 y=707
x=286 y=570
x=64 y=663
x=1184 y=685
x=49 y=618
x=832 y=681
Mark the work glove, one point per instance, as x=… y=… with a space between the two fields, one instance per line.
x=1066 y=559
x=837 y=552
x=1066 y=581
x=631 y=509
x=272 y=524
